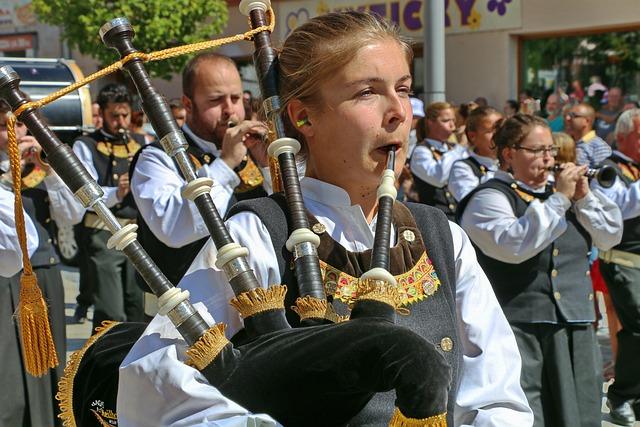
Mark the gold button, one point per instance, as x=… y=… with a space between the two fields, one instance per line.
x=408 y=235
x=207 y=158
x=114 y=163
x=590 y=297
x=514 y=185
x=318 y=228
x=557 y=295
x=446 y=193
x=118 y=206
x=49 y=241
x=446 y=344
x=47 y=221
x=115 y=176
x=555 y=252
x=554 y=272
x=451 y=206
x=52 y=260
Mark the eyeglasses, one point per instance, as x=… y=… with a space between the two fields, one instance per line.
x=572 y=115
x=539 y=152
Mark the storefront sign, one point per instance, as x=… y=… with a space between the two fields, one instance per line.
x=461 y=16
x=16 y=42
x=16 y=13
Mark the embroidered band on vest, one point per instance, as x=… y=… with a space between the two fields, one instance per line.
x=410 y=263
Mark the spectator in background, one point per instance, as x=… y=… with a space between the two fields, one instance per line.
x=481 y=101
x=591 y=150
x=417 y=107
x=462 y=113
x=247 y=102
x=511 y=107
x=607 y=115
x=137 y=125
x=577 y=93
x=178 y=111
x=595 y=86
x=95 y=115
x=554 y=113
x=566 y=147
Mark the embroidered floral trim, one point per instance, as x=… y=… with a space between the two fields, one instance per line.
x=415 y=285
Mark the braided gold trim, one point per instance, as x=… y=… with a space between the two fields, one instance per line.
x=258 y=300
x=208 y=346
x=314 y=308
x=399 y=420
x=379 y=290
x=65 y=386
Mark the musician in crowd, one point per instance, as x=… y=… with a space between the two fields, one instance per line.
x=533 y=243
x=348 y=107
x=620 y=268
x=482 y=163
x=178 y=111
x=107 y=154
x=46 y=200
x=433 y=157
x=220 y=143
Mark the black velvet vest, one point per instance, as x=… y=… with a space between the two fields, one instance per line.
x=428 y=277
x=631 y=232
x=554 y=285
x=111 y=157
x=438 y=197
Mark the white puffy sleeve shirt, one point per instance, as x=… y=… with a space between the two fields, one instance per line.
x=432 y=171
x=156 y=388
x=65 y=209
x=491 y=223
x=10 y=253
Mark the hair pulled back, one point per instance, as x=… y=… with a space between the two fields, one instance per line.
x=512 y=131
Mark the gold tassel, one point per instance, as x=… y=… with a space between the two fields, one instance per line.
x=64 y=396
x=379 y=290
x=314 y=308
x=399 y=420
x=38 y=349
x=258 y=300
x=202 y=353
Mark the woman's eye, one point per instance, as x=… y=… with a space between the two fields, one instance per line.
x=365 y=93
x=405 y=90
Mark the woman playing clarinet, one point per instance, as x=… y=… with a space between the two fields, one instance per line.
x=345 y=83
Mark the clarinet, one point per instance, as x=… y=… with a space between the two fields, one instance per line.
x=231 y=258
x=174 y=303
x=311 y=304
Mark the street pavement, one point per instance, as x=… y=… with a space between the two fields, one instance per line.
x=78 y=334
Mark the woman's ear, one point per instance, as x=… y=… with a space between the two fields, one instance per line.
x=299 y=116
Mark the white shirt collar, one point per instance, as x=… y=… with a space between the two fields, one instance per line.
x=507 y=177
x=438 y=145
x=325 y=193
x=487 y=162
x=204 y=145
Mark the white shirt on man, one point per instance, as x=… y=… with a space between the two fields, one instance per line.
x=157 y=388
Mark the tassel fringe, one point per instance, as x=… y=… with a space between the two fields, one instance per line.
x=65 y=386
x=315 y=308
x=379 y=290
x=38 y=349
x=207 y=348
x=399 y=420
x=258 y=300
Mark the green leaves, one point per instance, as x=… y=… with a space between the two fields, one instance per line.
x=158 y=24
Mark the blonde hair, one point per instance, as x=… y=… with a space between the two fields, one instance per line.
x=317 y=49
x=432 y=112
x=566 y=147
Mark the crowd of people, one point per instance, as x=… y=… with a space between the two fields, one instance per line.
x=522 y=242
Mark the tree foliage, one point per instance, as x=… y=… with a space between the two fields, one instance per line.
x=158 y=24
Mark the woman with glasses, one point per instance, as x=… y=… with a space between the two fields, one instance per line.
x=534 y=242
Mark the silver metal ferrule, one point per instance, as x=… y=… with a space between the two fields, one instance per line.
x=272 y=107
x=185 y=165
x=89 y=194
x=234 y=267
x=107 y=216
x=7 y=75
x=181 y=313
x=304 y=249
x=112 y=24
x=173 y=142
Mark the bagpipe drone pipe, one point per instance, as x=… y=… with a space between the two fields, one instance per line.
x=282 y=371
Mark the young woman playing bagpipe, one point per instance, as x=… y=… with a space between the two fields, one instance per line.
x=344 y=85
x=320 y=374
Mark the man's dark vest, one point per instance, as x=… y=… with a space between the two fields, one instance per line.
x=554 y=285
x=174 y=262
x=35 y=201
x=438 y=197
x=631 y=233
x=429 y=281
x=111 y=157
